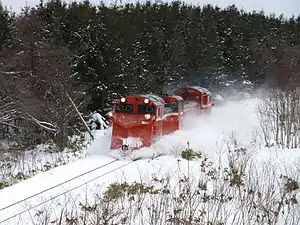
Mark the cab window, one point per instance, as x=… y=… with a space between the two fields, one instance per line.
x=124 y=108
x=146 y=109
x=174 y=106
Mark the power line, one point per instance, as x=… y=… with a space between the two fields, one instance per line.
x=48 y=189
x=30 y=208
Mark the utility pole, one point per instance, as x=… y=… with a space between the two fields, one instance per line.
x=87 y=127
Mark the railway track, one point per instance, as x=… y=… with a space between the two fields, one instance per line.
x=16 y=209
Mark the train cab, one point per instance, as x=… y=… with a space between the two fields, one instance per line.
x=136 y=121
x=173 y=113
x=196 y=95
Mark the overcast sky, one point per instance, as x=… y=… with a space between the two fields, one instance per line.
x=287 y=7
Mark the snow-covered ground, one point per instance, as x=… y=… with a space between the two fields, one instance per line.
x=16 y=165
x=230 y=184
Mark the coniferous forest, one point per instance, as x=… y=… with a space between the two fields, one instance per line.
x=97 y=53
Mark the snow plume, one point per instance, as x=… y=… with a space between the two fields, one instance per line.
x=230 y=119
x=234 y=119
x=101 y=144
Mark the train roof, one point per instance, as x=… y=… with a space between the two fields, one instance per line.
x=200 y=89
x=157 y=100
x=177 y=97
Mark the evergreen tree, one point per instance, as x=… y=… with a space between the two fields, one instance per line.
x=125 y=49
x=6 y=26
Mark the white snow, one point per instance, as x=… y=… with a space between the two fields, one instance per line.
x=234 y=123
x=100 y=119
x=17 y=165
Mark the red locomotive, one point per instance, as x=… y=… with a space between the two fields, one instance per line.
x=197 y=99
x=138 y=120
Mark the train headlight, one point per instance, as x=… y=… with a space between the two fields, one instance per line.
x=147 y=116
x=110 y=114
x=123 y=99
x=146 y=101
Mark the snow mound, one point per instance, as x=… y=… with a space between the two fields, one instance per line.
x=97 y=120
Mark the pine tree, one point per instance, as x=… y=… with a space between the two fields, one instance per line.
x=6 y=26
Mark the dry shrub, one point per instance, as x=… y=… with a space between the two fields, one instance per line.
x=279 y=117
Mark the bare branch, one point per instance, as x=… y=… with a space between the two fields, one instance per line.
x=46 y=125
x=15 y=72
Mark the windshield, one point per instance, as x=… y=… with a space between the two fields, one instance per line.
x=140 y=109
x=172 y=106
x=124 y=108
x=146 y=109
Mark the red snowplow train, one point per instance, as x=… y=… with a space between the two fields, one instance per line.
x=138 y=120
